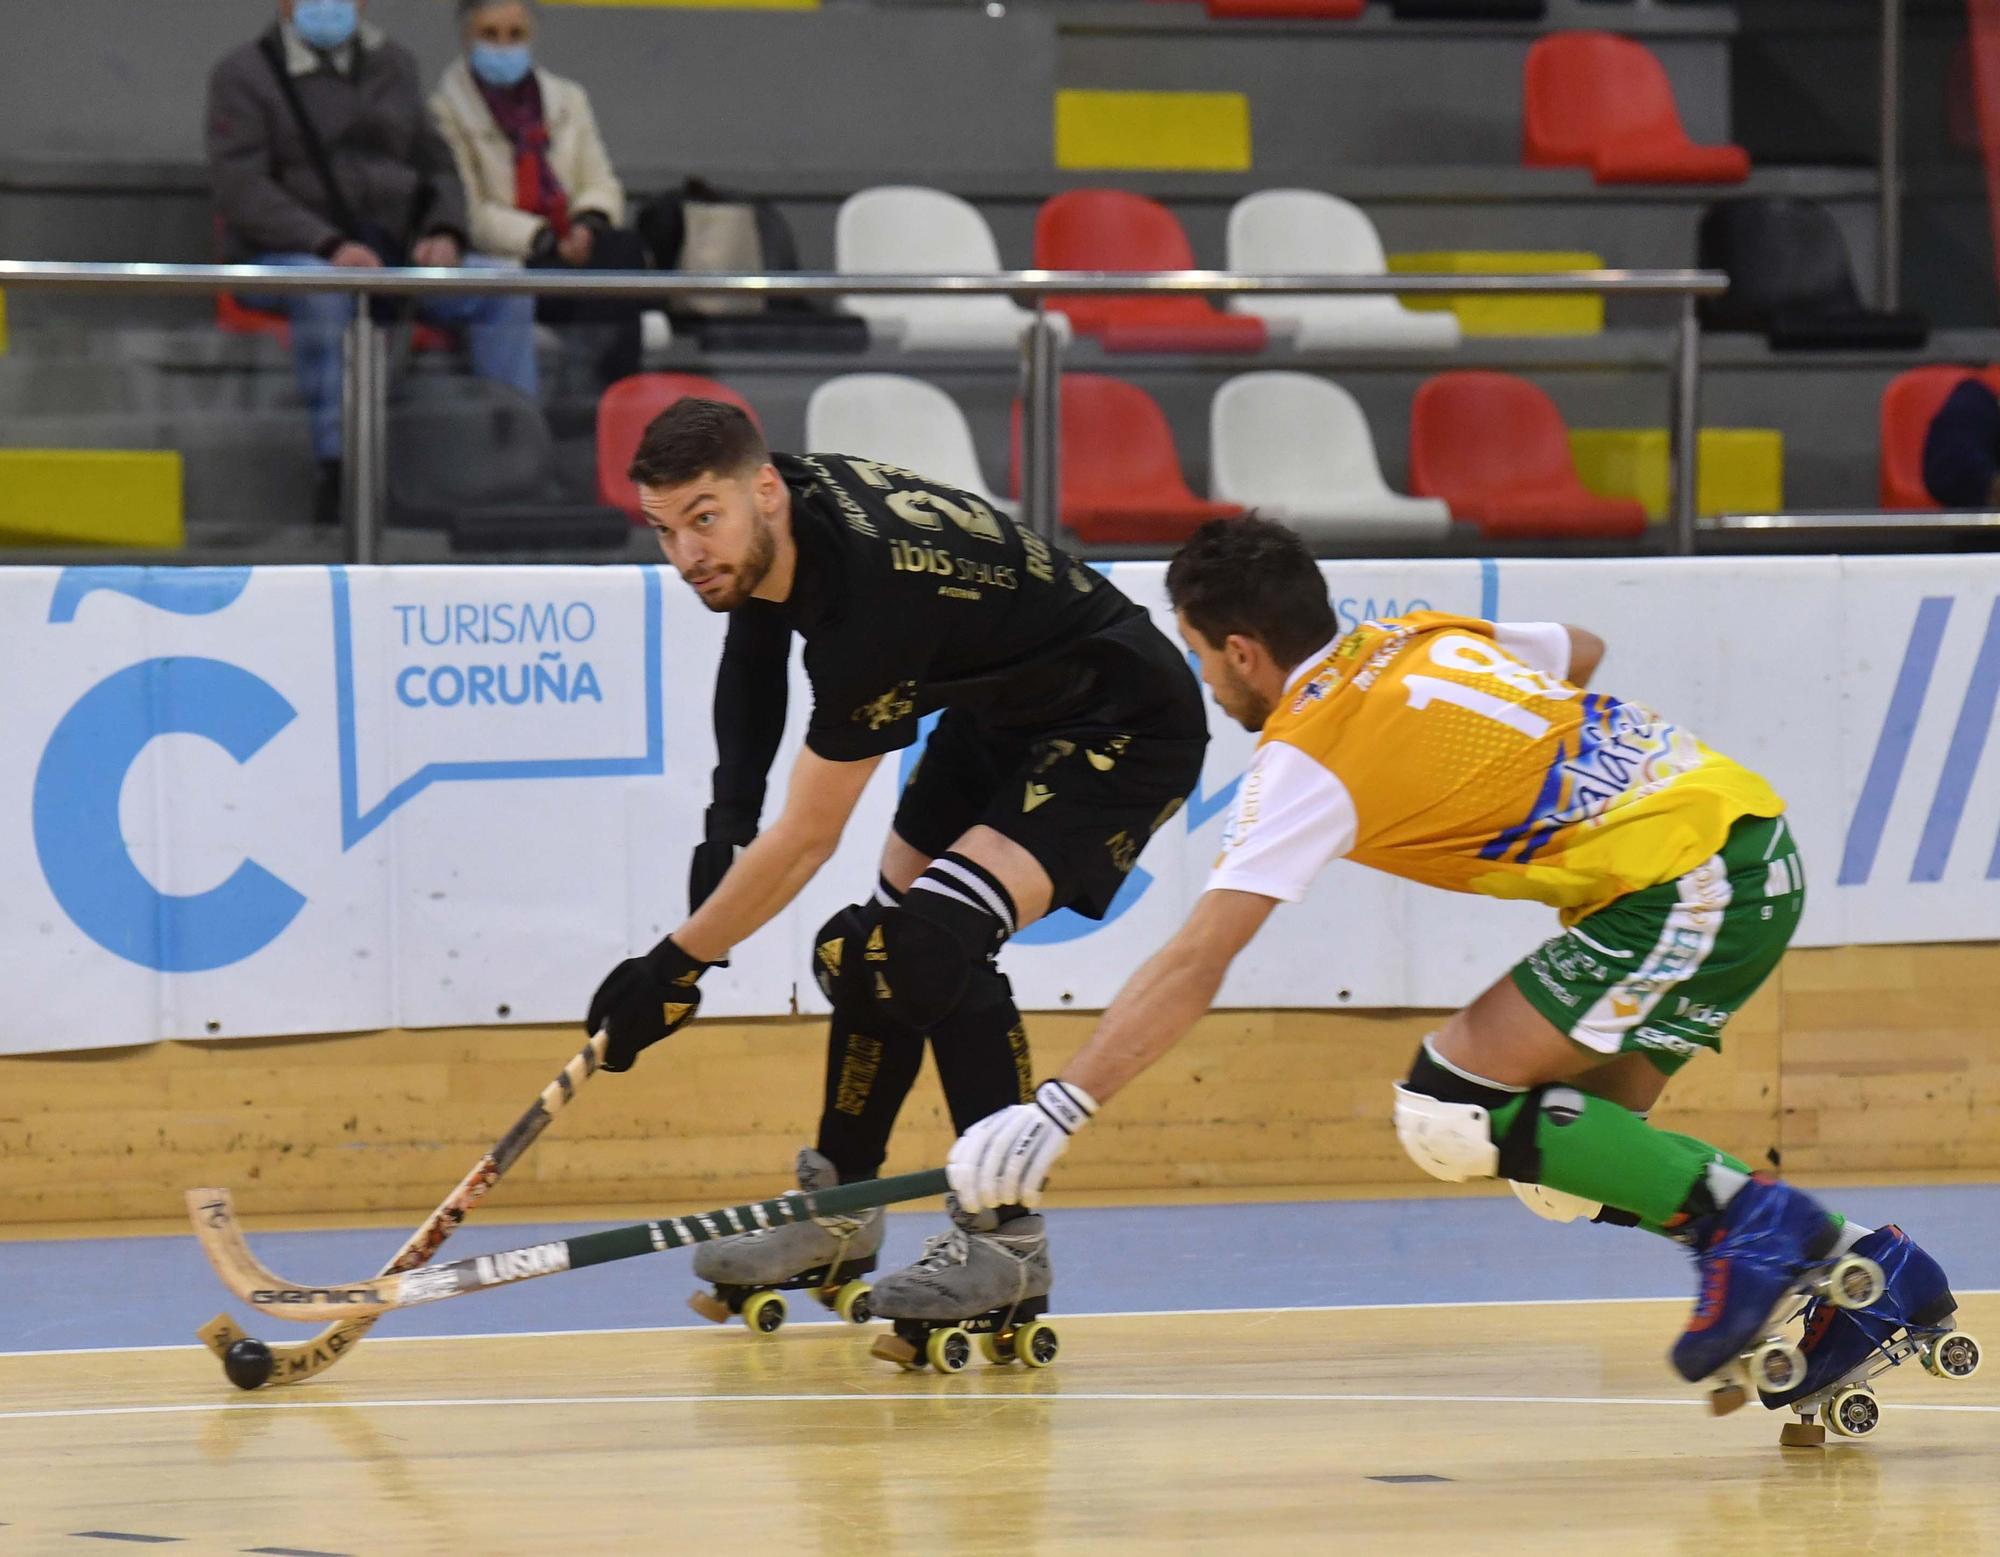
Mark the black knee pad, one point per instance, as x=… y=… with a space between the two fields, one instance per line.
x=933 y=951
x=838 y=949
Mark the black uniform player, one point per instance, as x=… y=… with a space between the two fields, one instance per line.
x=1071 y=730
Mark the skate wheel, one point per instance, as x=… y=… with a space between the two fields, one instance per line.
x=948 y=1350
x=995 y=1351
x=710 y=1307
x=1855 y=1282
x=1776 y=1366
x=1036 y=1344
x=764 y=1312
x=1953 y=1355
x=1853 y=1413
x=851 y=1303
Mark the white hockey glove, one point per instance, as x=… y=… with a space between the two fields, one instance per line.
x=1005 y=1159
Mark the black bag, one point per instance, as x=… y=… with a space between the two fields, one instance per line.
x=704 y=229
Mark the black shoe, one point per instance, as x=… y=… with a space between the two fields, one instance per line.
x=326 y=494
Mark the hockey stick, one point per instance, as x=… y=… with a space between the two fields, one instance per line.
x=214 y=1216
x=293 y=1363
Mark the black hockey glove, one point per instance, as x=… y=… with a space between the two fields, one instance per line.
x=643 y=999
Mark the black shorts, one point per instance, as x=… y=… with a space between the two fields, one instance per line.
x=1081 y=799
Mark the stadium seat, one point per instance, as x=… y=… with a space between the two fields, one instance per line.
x=1599 y=101
x=1301 y=232
x=899 y=421
x=1108 y=229
x=235 y=317
x=1297 y=448
x=1908 y=405
x=1469 y=10
x=1790 y=277
x=622 y=414
x=903 y=229
x=1289 y=10
x=1495 y=448
x=1121 y=478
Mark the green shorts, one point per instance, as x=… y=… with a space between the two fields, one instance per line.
x=1659 y=972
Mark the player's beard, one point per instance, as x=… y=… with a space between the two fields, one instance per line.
x=1242 y=702
x=745 y=576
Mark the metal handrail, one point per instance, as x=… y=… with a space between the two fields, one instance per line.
x=65 y=275
x=364 y=379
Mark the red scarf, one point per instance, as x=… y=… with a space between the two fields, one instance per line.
x=518 y=111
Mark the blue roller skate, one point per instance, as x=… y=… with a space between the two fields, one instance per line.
x=1769 y=1243
x=1844 y=1348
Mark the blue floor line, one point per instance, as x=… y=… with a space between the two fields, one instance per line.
x=113 y=1292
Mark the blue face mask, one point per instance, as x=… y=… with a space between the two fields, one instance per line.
x=502 y=64
x=326 y=24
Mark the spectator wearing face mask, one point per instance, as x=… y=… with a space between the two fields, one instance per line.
x=321 y=154
x=540 y=186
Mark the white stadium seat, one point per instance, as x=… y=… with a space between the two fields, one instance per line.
x=1302 y=232
x=1297 y=449
x=900 y=229
x=899 y=421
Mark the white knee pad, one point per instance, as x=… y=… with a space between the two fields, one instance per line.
x=1553 y=1204
x=1450 y=1141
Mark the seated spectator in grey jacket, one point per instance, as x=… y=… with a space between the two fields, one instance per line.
x=1962 y=448
x=382 y=189
x=538 y=182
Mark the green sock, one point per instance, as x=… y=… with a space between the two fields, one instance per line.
x=1605 y=1152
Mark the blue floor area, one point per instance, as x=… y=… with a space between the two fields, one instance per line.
x=114 y=1292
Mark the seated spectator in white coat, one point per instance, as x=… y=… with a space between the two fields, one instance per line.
x=539 y=185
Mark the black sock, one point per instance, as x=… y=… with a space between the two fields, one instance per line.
x=869 y=1071
x=982 y=1053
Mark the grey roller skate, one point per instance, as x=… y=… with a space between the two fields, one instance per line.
x=827 y=1256
x=984 y=1278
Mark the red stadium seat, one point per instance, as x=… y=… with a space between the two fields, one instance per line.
x=622 y=416
x=1494 y=447
x=1294 y=10
x=1908 y=405
x=235 y=317
x=1108 y=229
x=1121 y=478
x=1599 y=101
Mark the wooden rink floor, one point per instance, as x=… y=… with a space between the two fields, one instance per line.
x=1531 y=1427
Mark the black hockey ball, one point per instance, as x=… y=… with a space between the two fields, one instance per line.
x=248 y=1364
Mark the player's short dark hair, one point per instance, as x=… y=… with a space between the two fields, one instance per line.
x=693 y=438
x=1254 y=577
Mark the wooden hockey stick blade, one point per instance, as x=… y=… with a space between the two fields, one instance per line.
x=295 y=1362
x=213 y=1214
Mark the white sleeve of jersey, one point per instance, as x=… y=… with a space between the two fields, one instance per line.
x=1292 y=817
x=1542 y=646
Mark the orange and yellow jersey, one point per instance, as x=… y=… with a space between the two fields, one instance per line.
x=1451 y=751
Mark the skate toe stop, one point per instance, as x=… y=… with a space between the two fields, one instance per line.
x=1725 y=1398
x=893 y=1348
x=710 y=1307
x=1802 y=1435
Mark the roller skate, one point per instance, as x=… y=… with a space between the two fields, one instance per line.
x=827 y=1256
x=1845 y=1348
x=1757 y=1257
x=984 y=1278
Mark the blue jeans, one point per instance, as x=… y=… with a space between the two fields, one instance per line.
x=499 y=333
